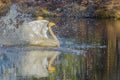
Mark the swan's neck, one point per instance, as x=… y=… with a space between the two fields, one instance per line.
x=53 y=35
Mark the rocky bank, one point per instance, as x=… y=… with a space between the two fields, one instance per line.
x=68 y=8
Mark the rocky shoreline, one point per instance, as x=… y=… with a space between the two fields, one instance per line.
x=4 y=7
x=80 y=9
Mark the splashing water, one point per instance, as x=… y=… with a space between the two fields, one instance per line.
x=13 y=18
x=17 y=28
x=9 y=23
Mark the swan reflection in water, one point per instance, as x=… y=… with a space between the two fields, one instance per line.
x=26 y=63
x=36 y=63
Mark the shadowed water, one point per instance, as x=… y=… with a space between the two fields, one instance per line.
x=89 y=50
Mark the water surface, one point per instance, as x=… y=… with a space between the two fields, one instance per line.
x=89 y=50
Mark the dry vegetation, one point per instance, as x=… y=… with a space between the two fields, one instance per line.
x=85 y=8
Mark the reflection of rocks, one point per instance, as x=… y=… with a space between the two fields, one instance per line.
x=117 y=28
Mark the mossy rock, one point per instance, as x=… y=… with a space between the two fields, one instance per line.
x=4 y=6
x=103 y=13
x=109 y=9
x=117 y=14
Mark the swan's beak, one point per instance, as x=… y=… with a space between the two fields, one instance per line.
x=51 y=24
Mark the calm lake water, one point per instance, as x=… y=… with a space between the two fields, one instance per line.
x=89 y=50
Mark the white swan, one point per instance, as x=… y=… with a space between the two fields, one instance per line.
x=34 y=33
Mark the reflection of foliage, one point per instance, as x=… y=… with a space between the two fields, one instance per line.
x=69 y=67
x=83 y=66
x=112 y=53
x=33 y=78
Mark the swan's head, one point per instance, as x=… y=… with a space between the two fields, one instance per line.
x=51 y=24
x=40 y=18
